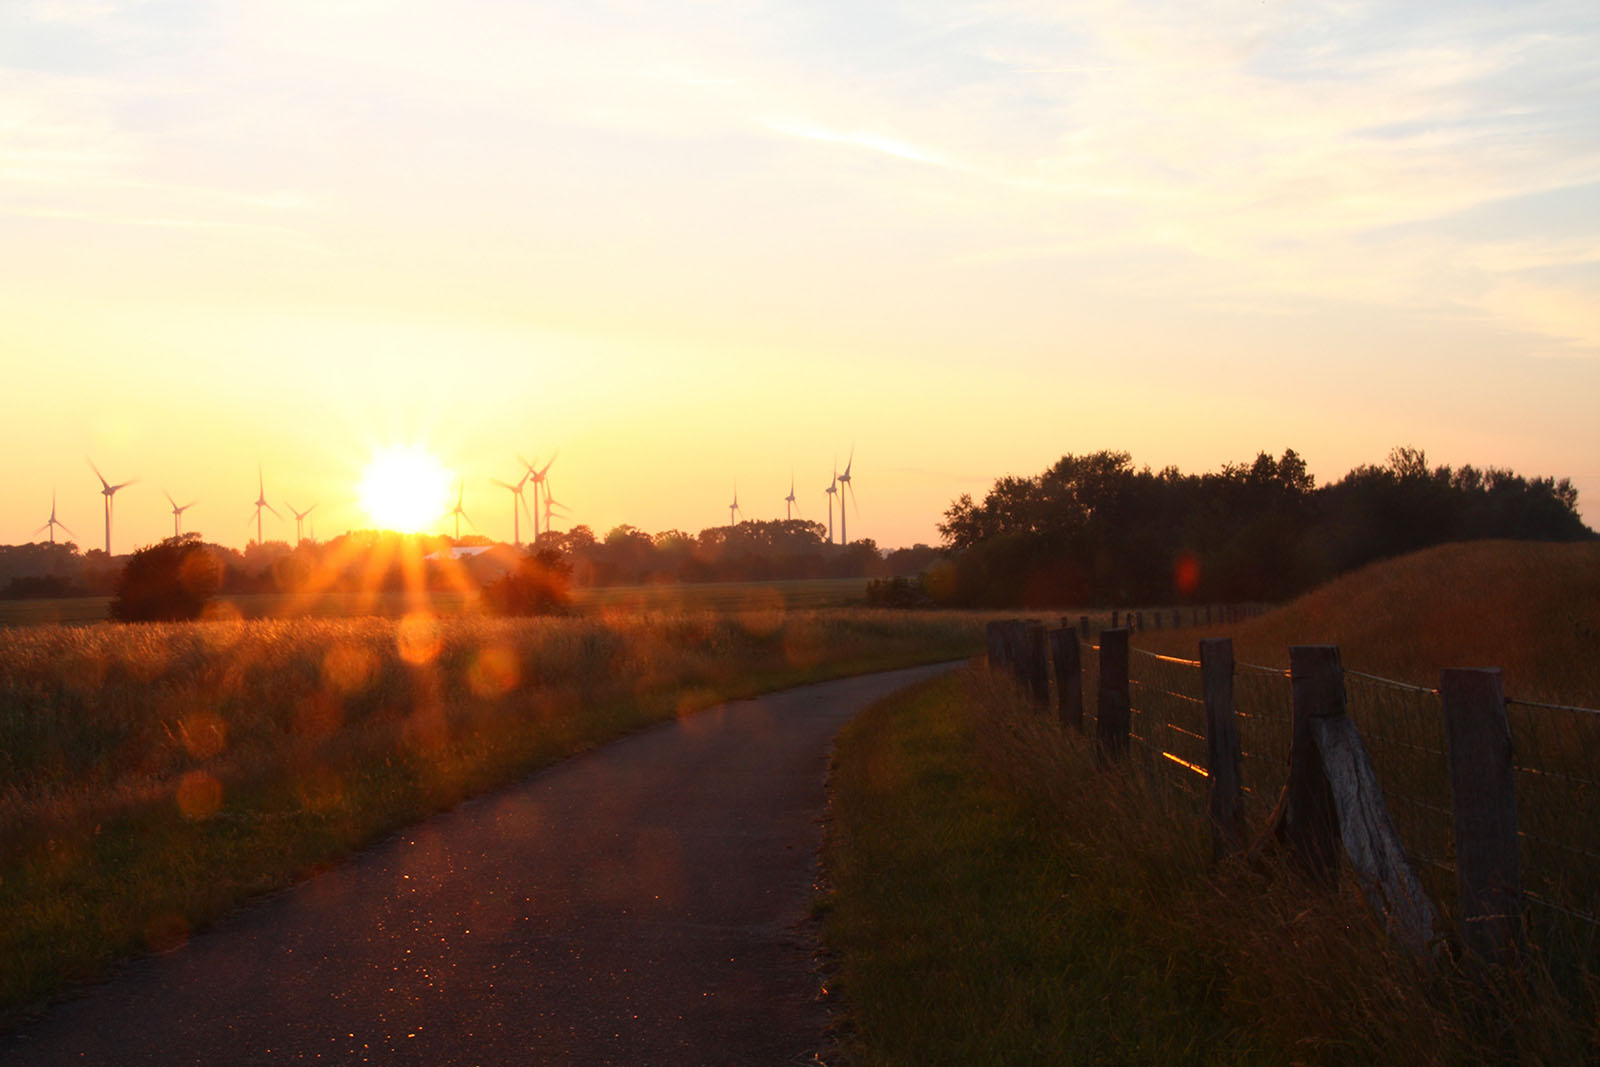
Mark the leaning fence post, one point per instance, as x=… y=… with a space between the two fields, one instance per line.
x=1068 y=657
x=1488 y=868
x=1222 y=746
x=1033 y=667
x=1306 y=821
x=1115 y=708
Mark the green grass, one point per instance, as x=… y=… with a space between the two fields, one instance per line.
x=152 y=776
x=997 y=899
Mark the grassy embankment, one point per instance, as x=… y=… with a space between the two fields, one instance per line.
x=998 y=899
x=152 y=776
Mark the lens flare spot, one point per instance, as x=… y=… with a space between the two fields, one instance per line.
x=346 y=667
x=494 y=672
x=418 y=637
x=199 y=795
x=1186 y=574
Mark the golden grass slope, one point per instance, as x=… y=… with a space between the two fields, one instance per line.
x=1530 y=608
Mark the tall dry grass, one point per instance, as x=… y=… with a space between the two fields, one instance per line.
x=1310 y=975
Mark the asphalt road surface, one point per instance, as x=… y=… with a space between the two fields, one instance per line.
x=645 y=903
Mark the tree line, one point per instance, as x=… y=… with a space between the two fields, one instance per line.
x=752 y=550
x=1094 y=530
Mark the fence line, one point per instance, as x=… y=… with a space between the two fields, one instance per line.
x=1398 y=732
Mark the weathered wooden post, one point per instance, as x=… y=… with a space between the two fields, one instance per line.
x=1138 y=621
x=1016 y=650
x=1305 y=820
x=1068 y=658
x=1084 y=633
x=1223 y=754
x=1333 y=797
x=1114 y=705
x=994 y=635
x=1488 y=868
x=1034 y=666
x=1113 y=618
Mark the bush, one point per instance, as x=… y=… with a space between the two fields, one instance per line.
x=541 y=585
x=167 y=582
x=898 y=593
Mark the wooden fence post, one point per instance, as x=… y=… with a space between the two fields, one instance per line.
x=1066 y=653
x=1305 y=820
x=1034 y=664
x=1114 y=618
x=994 y=635
x=1115 y=708
x=1222 y=747
x=1084 y=633
x=1488 y=867
x=1333 y=797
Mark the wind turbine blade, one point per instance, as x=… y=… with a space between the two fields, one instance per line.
x=124 y=485
x=45 y=527
x=503 y=485
x=547 y=466
x=97 y=474
x=272 y=509
x=171 y=501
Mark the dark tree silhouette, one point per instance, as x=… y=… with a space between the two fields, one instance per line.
x=167 y=582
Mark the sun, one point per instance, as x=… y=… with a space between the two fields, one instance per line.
x=405 y=488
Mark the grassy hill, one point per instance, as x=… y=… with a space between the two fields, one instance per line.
x=1530 y=608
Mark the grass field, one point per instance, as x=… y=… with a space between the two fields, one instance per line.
x=974 y=841
x=709 y=596
x=997 y=898
x=151 y=776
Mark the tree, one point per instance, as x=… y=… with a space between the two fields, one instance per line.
x=167 y=582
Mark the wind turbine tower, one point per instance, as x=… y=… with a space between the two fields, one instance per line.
x=177 y=512
x=299 y=517
x=844 y=483
x=788 y=511
x=108 y=491
x=261 y=502
x=833 y=487
x=53 y=523
x=538 y=474
x=516 y=499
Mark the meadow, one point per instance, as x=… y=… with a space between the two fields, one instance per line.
x=335 y=604
x=154 y=775
x=1001 y=898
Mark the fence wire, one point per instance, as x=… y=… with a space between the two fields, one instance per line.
x=1168 y=718
x=1556 y=766
x=1556 y=760
x=1402 y=727
x=1262 y=708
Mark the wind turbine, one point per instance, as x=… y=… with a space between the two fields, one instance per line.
x=549 y=503
x=833 y=487
x=108 y=491
x=788 y=511
x=538 y=473
x=53 y=523
x=518 y=498
x=461 y=513
x=177 y=512
x=261 y=502
x=733 y=507
x=844 y=483
x=299 y=517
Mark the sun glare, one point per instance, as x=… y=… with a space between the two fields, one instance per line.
x=405 y=488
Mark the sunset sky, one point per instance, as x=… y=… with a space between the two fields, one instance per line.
x=695 y=245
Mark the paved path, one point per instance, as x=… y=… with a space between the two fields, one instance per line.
x=645 y=903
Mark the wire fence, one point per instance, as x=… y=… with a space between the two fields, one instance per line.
x=1556 y=767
